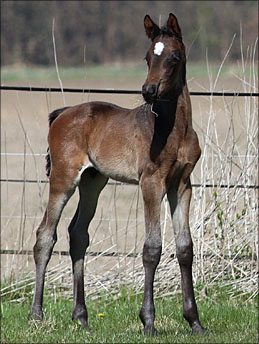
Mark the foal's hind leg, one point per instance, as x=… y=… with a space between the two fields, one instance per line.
x=61 y=188
x=179 y=201
x=91 y=184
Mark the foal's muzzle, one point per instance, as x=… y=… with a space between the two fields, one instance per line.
x=149 y=93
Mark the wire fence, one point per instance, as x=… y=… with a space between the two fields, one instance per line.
x=113 y=91
x=224 y=186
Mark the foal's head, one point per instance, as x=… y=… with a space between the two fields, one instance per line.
x=165 y=59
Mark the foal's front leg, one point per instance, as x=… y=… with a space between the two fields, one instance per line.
x=179 y=201
x=152 y=196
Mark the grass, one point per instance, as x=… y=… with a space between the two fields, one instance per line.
x=228 y=321
x=112 y=71
x=34 y=73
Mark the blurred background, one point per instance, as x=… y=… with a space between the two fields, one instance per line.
x=97 y=32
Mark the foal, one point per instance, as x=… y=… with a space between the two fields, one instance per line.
x=153 y=145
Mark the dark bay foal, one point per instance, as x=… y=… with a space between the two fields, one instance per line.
x=153 y=145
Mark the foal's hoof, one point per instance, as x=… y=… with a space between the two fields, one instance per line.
x=198 y=329
x=36 y=314
x=81 y=321
x=150 y=331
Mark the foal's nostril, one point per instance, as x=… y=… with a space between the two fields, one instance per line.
x=149 y=93
x=149 y=90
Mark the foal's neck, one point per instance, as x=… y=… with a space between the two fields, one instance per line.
x=165 y=109
x=165 y=112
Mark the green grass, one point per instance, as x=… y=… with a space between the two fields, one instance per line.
x=111 y=72
x=33 y=73
x=228 y=321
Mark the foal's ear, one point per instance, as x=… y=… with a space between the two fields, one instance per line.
x=152 y=30
x=173 y=26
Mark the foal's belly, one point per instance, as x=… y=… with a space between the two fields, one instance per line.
x=117 y=169
x=118 y=164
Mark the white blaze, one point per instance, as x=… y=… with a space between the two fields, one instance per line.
x=159 y=47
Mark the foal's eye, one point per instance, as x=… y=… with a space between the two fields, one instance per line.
x=174 y=58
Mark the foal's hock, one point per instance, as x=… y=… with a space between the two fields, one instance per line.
x=153 y=145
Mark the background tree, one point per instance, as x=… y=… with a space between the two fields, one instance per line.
x=108 y=31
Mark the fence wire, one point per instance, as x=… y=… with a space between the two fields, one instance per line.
x=113 y=91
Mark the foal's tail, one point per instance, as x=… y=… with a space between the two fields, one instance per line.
x=52 y=116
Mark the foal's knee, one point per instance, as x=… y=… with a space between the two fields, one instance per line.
x=184 y=250
x=79 y=238
x=152 y=252
x=79 y=241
